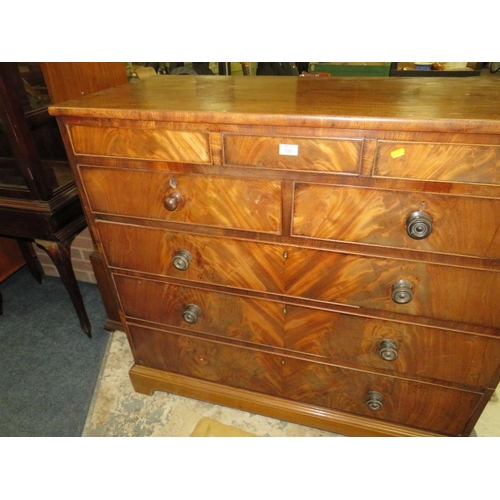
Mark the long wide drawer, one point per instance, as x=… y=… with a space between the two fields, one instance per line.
x=417 y=221
x=193 y=199
x=426 y=406
x=221 y=261
x=417 y=288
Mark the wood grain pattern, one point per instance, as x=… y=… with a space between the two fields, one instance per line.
x=377 y=217
x=147 y=144
x=410 y=104
x=216 y=362
x=70 y=80
x=148 y=380
x=325 y=155
x=444 y=162
x=422 y=352
x=441 y=292
x=211 y=201
x=322 y=232
x=222 y=261
x=411 y=403
x=225 y=315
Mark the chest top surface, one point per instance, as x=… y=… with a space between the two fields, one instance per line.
x=426 y=104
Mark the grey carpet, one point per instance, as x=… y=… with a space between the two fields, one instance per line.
x=48 y=365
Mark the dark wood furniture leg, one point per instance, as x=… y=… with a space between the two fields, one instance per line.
x=39 y=205
x=60 y=253
x=30 y=259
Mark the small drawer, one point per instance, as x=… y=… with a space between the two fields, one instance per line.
x=221 y=314
x=221 y=261
x=418 y=221
x=407 y=287
x=248 y=204
x=216 y=362
x=438 y=161
x=141 y=143
x=408 y=349
x=406 y=402
x=293 y=153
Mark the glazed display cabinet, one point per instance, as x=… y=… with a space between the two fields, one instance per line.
x=39 y=202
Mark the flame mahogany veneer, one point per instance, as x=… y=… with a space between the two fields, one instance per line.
x=319 y=250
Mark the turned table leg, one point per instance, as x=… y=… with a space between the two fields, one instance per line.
x=60 y=254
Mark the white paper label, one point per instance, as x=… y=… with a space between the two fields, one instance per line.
x=289 y=149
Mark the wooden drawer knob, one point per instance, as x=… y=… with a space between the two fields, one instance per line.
x=388 y=349
x=181 y=260
x=173 y=201
x=402 y=291
x=191 y=313
x=374 y=401
x=419 y=225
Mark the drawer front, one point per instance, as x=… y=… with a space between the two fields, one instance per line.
x=437 y=161
x=143 y=144
x=415 y=404
x=221 y=261
x=413 y=350
x=293 y=153
x=222 y=314
x=441 y=292
x=230 y=365
x=192 y=199
x=417 y=221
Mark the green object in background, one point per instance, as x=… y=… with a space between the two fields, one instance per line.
x=382 y=69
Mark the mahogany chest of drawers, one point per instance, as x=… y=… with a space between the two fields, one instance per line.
x=324 y=251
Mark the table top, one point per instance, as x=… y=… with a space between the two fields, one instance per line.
x=383 y=103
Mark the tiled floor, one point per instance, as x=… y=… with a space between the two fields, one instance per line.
x=117 y=410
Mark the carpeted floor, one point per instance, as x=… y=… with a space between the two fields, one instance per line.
x=49 y=367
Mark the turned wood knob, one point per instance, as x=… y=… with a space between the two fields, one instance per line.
x=173 y=201
x=374 y=400
x=388 y=349
x=191 y=313
x=181 y=260
x=419 y=225
x=402 y=291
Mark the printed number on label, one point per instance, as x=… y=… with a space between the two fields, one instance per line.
x=289 y=149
